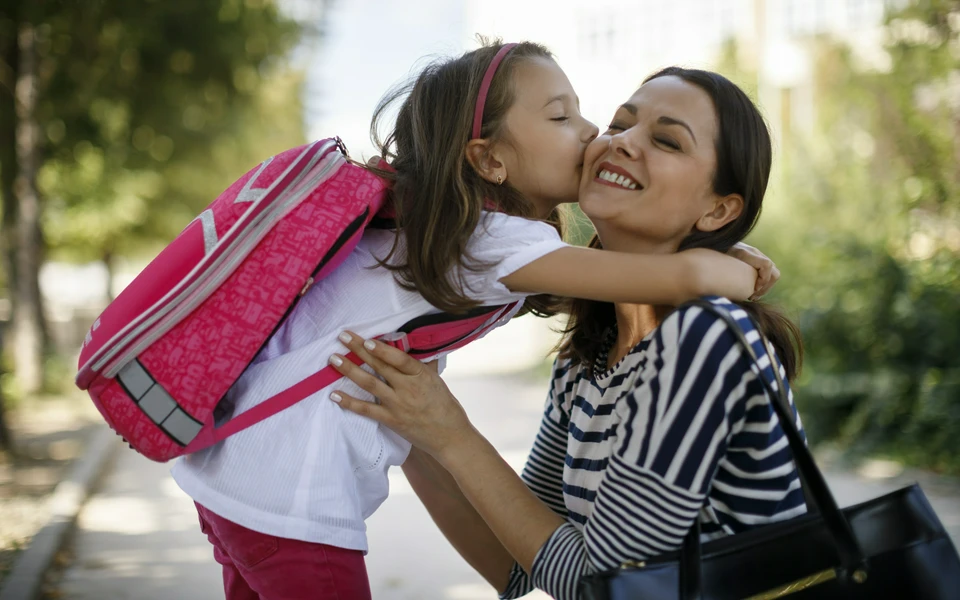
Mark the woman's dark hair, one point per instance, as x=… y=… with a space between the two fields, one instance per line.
x=744 y=156
x=437 y=194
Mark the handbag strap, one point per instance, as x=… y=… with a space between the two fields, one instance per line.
x=812 y=480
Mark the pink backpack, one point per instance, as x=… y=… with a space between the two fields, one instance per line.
x=163 y=354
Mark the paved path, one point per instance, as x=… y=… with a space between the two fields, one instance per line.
x=138 y=537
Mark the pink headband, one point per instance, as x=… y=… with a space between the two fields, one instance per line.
x=485 y=87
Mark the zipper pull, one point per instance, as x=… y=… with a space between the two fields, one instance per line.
x=342 y=146
x=306 y=286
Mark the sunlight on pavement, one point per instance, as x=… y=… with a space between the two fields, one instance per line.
x=880 y=469
x=132 y=516
x=476 y=591
x=398 y=483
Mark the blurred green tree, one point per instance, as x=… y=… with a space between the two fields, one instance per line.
x=144 y=112
x=868 y=233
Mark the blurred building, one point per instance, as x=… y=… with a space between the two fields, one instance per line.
x=605 y=46
x=608 y=46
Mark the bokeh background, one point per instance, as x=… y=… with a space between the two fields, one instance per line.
x=120 y=120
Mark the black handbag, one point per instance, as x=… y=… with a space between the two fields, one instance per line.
x=892 y=547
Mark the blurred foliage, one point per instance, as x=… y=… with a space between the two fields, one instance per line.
x=865 y=225
x=147 y=110
x=150 y=109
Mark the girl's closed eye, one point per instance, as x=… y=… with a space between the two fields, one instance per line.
x=560 y=119
x=615 y=127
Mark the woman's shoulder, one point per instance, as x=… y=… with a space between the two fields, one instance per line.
x=565 y=370
x=698 y=336
x=565 y=377
x=692 y=324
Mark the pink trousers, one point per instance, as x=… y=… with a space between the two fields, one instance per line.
x=257 y=566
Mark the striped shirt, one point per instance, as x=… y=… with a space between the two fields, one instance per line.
x=681 y=428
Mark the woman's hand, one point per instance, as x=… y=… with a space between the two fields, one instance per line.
x=767 y=272
x=411 y=399
x=415 y=402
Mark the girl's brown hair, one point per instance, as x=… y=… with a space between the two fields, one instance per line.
x=743 y=167
x=437 y=195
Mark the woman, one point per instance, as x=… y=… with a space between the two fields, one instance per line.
x=654 y=418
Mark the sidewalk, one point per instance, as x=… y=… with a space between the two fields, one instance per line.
x=138 y=538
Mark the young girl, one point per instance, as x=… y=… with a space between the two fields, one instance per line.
x=484 y=149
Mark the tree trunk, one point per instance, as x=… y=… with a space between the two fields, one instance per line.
x=9 y=59
x=28 y=343
x=6 y=439
x=108 y=262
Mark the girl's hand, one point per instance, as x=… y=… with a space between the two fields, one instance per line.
x=411 y=399
x=767 y=272
x=713 y=273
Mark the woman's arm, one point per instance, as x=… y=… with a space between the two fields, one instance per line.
x=519 y=520
x=649 y=494
x=609 y=276
x=456 y=518
x=460 y=523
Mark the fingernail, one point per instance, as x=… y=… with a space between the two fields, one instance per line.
x=336 y=397
x=369 y=345
x=336 y=360
x=345 y=337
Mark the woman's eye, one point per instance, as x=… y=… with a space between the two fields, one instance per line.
x=560 y=119
x=668 y=143
x=615 y=127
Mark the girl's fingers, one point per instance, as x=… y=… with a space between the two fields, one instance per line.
x=354 y=373
x=770 y=280
x=361 y=407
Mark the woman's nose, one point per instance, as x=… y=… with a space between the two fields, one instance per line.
x=624 y=145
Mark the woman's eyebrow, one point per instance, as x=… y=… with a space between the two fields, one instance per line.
x=665 y=120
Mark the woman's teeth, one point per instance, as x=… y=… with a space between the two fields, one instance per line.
x=620 y=180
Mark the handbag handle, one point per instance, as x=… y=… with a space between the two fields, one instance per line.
x=812 y=481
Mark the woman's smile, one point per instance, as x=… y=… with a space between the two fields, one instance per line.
x=618 y=177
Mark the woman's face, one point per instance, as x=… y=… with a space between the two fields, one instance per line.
x=547 y=136
x=647 y=181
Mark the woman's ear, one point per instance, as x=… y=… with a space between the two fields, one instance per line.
x=725 y=210
x=484 y=161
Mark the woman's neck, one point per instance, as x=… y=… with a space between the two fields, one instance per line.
x=634 y=321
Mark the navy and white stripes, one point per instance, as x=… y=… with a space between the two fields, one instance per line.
x=630 y=456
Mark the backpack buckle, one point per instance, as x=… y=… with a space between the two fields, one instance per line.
x=397 y=340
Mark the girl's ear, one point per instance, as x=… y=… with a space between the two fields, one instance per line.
x=724 y=211
x=485 y=162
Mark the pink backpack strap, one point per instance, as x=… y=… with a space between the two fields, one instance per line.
x=421 y=338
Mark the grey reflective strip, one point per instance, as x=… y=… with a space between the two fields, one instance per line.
x=209 y=231
x=136 y=379
x=181 y=426
x=250 y=193
x=157 y=404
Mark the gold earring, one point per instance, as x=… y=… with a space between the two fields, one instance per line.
x=499 y=180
